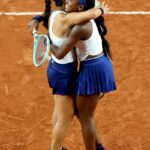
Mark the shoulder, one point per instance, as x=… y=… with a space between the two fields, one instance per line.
x=58 y=14
x=61 y=15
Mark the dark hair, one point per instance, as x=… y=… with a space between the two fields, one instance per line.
x=48 y=10
x=100 y=22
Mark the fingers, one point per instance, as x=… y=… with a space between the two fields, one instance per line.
x=105 y=7
x=102 y=5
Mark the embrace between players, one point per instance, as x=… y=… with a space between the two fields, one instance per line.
x=77 y=30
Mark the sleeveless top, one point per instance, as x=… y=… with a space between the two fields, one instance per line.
x=91 y=46
x=71 y=56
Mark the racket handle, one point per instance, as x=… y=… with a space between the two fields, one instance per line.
x=34 y=31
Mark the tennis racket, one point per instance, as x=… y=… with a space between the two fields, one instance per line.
x=41 y=48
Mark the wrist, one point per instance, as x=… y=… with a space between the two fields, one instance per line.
x=102 y=10
x=39 y=18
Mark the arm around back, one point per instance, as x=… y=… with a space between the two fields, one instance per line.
x=76 y=34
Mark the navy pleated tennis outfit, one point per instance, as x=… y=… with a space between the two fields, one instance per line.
x=95 y=75
x=62 y=73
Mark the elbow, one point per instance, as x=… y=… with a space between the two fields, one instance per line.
x=59 y=56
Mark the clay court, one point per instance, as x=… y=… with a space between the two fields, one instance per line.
x=26 y=103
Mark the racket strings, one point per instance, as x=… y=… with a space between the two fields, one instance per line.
x=41 y=49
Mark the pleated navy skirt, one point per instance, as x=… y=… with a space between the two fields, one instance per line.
x=95 y=76
x=62 y=77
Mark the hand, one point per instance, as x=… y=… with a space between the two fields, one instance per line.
x=33 y=24
x=54 y=47
x=103 y=5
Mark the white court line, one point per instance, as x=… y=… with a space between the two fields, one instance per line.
x=111 y=12
x=130 y=12
x=20 y=13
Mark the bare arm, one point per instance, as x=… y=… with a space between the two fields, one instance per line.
x=75 y=18
x=76 y=34
x=80 y=17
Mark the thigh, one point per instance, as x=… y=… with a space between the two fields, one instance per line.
x=86 y=105
x=64 y=106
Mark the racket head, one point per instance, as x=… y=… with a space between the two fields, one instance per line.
x=41 y=49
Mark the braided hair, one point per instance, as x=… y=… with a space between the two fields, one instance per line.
x=48 y=10
x=100 y=22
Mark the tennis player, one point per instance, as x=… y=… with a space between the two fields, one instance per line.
x=62 y=73
x=96 y=71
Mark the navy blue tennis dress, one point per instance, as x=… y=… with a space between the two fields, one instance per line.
x=95 y=75
x=61 y=73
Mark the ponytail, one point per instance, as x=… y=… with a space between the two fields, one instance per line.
x=47 y=12
x=103 y=31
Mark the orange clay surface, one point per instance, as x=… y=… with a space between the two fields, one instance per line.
x=26 y=102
